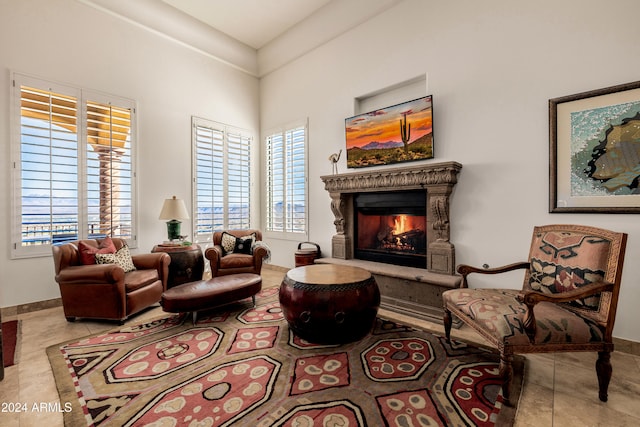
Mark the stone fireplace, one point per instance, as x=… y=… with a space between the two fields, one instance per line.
x=395 y=223
x=435 y=180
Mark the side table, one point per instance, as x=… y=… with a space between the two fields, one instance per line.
x=328 y=303
x=187 y=263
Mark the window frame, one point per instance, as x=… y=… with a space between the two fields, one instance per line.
x=81 y=96
x=227 y=132
x=282 y=131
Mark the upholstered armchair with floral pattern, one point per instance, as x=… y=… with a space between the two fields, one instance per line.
x=567 y=303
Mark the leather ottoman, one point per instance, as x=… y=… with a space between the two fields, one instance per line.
x=204 y=294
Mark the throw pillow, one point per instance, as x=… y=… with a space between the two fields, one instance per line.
x=244 y=244
x=228 y=243
x=122 y=258
x=88 y=252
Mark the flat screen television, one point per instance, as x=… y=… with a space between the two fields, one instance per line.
x=400 y=133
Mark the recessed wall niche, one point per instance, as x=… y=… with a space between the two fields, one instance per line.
x=407 y=90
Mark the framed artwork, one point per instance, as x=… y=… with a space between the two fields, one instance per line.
x=594 y=151
x=400 y=133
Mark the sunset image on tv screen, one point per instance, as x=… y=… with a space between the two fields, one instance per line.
x=400 y=133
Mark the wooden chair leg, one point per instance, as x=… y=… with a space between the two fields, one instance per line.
x=447 y=320
x=604 y=371
x=506 y=373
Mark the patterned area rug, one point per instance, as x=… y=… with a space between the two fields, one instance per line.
x=242 y=366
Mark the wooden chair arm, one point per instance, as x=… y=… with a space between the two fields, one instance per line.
x=530 y=298
x=465 y=270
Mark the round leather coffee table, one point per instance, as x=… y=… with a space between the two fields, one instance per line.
x=328 y=303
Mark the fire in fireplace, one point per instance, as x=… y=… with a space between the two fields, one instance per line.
x=391 y=227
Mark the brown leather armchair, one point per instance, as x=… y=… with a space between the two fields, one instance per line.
x=105 y=291
x=224 y=262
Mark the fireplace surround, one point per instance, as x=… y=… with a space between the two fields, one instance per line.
x=437 y=180
x=413 y=289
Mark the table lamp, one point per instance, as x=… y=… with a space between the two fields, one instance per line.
x=174 y=210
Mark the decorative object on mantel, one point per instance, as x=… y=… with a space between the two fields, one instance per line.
x=399 y=133
x=594 y=153
x=174 y=210
x=334 y=160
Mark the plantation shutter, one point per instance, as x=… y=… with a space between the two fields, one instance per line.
x=109 y=170
x=222 y=171
x=209 y=176
x=275 y=157
x=48 y=167
x=287 y=181
x=73 y=175
x=238 y=181
x=296 y=181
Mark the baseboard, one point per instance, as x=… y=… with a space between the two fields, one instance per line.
x=30 y=307
x=626 y=346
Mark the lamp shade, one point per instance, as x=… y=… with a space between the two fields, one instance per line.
x=174 y=209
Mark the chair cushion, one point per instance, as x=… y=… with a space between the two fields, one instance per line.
x=138 y=279
x=88 y=252
x=232 y=244
x=122 y=258
x=244 y=245
x=228 y=242
x=499 y=314
x=564 y=260
x=236 y=261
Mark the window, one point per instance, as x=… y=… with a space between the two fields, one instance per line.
x=286 y=176
x=73 y=166
x=222 y=171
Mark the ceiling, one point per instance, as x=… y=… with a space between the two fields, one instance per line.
x=252 y=22
x=254 y=36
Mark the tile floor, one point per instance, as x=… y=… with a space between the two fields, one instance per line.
x=560 y=390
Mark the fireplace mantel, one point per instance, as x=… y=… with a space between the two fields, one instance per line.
x=407 y=178
x=437 y=179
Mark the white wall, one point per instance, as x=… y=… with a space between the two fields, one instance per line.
x=492 y=66
x=70 y=42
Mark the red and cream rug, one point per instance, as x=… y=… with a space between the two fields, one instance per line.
x=242 y=366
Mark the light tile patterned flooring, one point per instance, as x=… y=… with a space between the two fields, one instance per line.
x=560 y=389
